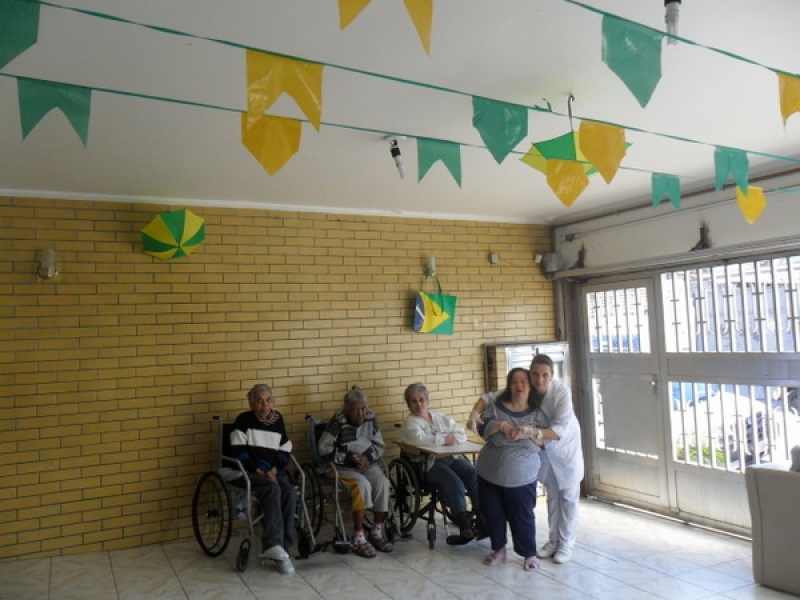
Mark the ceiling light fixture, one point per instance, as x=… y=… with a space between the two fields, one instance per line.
x=672 y=9
x=394 y=150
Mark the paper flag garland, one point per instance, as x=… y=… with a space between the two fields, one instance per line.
x=604 y=146
x=349 y=10
x=37 y=98
x=567 y=178
x=666 y=185
x=429 y=151
x=633 y=52
x=272 y=140
x=502 y=126
x=789 y=87
x=421 y=13
x=173 y=234
x=752 y=203
x=269 y=76
x=734 y=162
x=19 y=28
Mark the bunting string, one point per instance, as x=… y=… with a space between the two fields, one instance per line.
x=403 y=81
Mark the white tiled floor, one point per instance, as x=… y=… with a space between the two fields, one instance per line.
x=620 y=555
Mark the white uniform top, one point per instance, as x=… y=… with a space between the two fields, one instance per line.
x=565 y=454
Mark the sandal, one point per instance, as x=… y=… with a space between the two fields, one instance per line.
x=381 y=543
x=530 y=564
x=363 y=548
x=495 y=557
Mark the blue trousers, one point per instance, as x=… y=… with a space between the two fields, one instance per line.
x=504 y=507
x=453 y=477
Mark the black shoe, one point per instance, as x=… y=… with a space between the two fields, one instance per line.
x=458 y=540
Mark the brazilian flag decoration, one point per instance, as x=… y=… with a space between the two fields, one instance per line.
x=434 y=313
x=173 y=234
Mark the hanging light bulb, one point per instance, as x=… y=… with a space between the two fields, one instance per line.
x=672 y=9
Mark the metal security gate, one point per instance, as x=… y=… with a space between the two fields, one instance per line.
x=693 y=375
x=627 y=432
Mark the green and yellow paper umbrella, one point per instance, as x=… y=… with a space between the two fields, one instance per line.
x=173 y=234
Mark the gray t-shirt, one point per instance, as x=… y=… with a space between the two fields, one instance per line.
x=505 y=462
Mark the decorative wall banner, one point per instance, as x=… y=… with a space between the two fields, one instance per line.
x=349 y=10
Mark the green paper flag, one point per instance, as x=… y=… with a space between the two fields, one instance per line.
x=502 y=126
x=429 y=151
x=666 y=185
x=37 y=98
x=734 y=162
x=633 y=52
x=19 y=28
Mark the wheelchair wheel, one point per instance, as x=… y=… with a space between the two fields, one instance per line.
x=405 y=495
x=243 y=556
x=212 y=514
x=314 y=500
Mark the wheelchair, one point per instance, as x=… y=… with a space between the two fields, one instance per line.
x=413 y=498
x=223 y=497
x=326 y=494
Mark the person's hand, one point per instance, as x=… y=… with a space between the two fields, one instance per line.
x=272 y=475
x=449 y=439
x=360 y=461
x=473 y=421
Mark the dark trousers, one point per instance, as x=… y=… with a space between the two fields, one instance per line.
x=512 y=507
x=278 y=502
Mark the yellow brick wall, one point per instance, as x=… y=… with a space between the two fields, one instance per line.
x=110 y=373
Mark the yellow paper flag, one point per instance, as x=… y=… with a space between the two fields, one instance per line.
x=349 y=10
x=269 y=76
x=752 y=204
x=567 y=179
x=421 y=12
x=790 y=95
x=604 y=146
x=272 y=140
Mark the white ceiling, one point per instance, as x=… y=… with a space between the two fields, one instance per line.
x=173 y=133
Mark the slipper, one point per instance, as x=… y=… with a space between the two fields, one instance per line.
x=495 y=557
x=381 y=543
x=530 y=564
x=363 y=548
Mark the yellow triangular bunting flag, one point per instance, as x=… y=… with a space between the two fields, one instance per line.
x=752 y=204
x=604 y=146
x=567 y=179
x=272 y=140
x=349 y=10
x=269 y=76
x=421 y=12
x=790 y=95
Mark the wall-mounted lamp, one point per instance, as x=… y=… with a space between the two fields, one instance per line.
x=394 y=150
x=672 y=9
x=430 y=268
x=47 y=264
x=494 y=258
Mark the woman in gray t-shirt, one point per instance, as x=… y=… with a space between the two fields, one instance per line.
x=507 y=468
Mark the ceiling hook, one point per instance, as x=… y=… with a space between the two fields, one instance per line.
x=570 y=100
